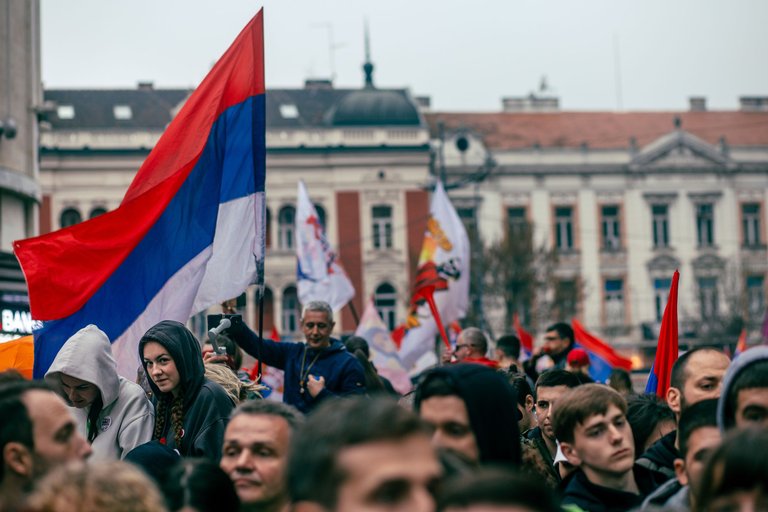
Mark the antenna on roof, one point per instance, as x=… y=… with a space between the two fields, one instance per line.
x=332 y=47
x=368 y=66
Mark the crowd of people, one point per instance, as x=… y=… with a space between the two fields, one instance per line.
x=482 y=432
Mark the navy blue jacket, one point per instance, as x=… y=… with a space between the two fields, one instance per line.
x=342 y=372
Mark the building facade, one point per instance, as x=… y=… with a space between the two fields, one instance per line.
x=20 y=104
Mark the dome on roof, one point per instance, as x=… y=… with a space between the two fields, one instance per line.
x=371 y=107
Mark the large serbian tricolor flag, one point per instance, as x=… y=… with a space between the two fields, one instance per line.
x=188 y=234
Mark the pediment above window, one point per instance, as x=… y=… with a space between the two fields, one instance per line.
x=680 y=149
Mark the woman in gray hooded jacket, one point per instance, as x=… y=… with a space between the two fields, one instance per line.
x=113 y=413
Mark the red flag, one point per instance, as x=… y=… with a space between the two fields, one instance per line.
x=526 y=340
x=667 y=348
x=602 y=357
x=741 y=345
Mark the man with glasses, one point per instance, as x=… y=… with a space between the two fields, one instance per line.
x=315 y=370
x=472 y=347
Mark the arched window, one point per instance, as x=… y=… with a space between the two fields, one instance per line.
x=286 y=225
x=291 y=312
x=382 y=226
x=321 y=217
x=269 y=310
x=99 y=210
x=385 y=300
x=70 y=217
x=268 y=234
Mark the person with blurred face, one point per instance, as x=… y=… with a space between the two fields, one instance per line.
x=112 y=413
x=363 y=455
x=472 y=347
x=558 y=342
x=255 y=453
x=698 y=436
x=37 y=434
x=590 y=423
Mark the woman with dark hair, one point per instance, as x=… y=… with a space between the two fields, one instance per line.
x=191 y=412
x=112 y=412
x=374 y=383
x=736 y=474
x=199 y=485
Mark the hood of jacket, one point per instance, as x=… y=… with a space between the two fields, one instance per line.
x=86 y=355
x=726 y=409
x=492 y=408
x=185 y=350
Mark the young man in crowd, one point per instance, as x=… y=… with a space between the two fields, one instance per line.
x=744 y=400
x=696 y=375
x=37 y=434
x=525 y=403
x=508 y=353
x=698 y=436
x=255 y=453
x=550 y=387
x=473 y=412
x=360 y=455
x=591 y=424
x=558 y=342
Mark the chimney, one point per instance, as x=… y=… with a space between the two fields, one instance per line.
x=146 y=86
x=530 y=103
x=753 y=103
x=697 y=104
x=315 y=84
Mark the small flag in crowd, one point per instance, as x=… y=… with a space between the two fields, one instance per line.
x=666 y=348
x=319 y=274
x=741 y=344
x=602 y=357
x=441 y=291
x=188 y=234
x=526 y=339
x=383 y=350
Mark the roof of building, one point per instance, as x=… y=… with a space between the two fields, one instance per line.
x=313 y=106
x=603 y=130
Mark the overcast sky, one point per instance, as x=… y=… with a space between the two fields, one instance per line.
x=465 y=55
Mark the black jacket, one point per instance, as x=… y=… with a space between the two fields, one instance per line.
x=206 y=405
x=660 y=458
x=594 y=498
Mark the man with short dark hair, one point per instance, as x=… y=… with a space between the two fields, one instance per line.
x=361 y=455
x=744 y=400
x=525 y=403
x=255 y=453
x=698 y=436
x=318 y=369
x=558 y=342
x=473 y=411
x=696 y=375
x=591 y=424
x=37 y=434
x=508 y=352
x=550 y=387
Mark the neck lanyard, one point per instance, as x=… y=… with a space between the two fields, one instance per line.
x=302 y=374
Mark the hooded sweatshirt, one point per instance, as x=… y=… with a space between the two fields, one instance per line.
x=126 y=416
x=491 y=406
x=206 y=406
x=341 y=370
x=725 y=409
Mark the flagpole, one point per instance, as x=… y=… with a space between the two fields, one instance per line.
x=261 y=329
x=355 y=316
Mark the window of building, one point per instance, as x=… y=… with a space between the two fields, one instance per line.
x=660 y=295
x=517 y=223
x=614 y=301
x=385 y=300
x=468 y=218
x=70 y=217
x=564 y=228
x=566 y=298
x=99 y=210
x=65 y=111
x=286 y=226
x=122 y=112
x=750 y=221
x=289 y=111
x=755 y=297
x=382 y=226
x=291 y=313
x=708 y=297
x=611 y=228
x=321 y=217
x=268 y=234
x=660 y=220
x=705 y=234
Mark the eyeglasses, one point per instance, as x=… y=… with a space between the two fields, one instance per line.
x=459 y=346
